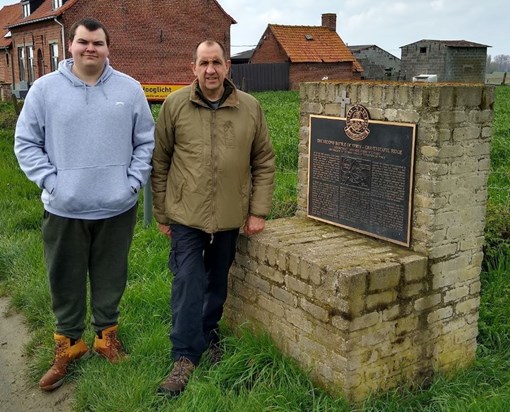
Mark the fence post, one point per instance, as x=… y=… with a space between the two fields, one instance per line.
x=17 y=105
x=147 y=197
x=147 y=204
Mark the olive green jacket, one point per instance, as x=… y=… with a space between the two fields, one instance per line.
x=211 y=168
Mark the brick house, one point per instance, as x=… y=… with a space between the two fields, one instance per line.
x=8 y=14
x=150 y=40
x=450 y=60
x=377 y=63
x=314 y=52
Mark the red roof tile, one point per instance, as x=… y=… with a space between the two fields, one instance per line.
x=43 y=12
x=8 y=14
x=306 y=44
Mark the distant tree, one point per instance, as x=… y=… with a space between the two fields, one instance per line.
x=490 y=67
x=502 y=62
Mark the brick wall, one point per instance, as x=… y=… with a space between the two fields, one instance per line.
x=5 y=67
x=365 y=315
x=269 y=51
x=466 y=64
x=313 y=72
x=5 y=92
x=153 y=41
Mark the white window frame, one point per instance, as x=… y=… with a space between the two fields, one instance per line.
x=57 y=4
x=26 y=9
x=21 y=63
x=30 y=64
x=53 y=56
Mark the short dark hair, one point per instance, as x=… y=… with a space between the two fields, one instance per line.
x=210 y=42
x=90 y=24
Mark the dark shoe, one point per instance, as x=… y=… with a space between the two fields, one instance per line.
x=176 y=382
x=216 y=353
x=109 y=345
x=65 y=353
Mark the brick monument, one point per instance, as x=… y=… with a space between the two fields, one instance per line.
x=362 y=314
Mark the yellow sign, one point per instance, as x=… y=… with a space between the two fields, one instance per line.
x=157 y=92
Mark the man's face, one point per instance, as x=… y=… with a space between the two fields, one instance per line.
x=89 y=50
x=210 y=68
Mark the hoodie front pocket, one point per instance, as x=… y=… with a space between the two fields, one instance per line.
x=92 y=189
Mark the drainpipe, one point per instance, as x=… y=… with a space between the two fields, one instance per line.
x=63 y=38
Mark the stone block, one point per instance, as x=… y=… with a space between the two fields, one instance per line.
x=284 y=296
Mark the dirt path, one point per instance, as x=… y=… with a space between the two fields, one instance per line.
x=17 y=394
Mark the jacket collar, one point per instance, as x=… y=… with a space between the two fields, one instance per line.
x=229 y=98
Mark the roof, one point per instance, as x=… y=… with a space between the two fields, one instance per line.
x=312 y=44
x=43 y=12
x=243 y=55
x=450 y=43
x=363 y=47
x=46 y=12
x=8 y=14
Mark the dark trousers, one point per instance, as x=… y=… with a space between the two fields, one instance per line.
x=75 y=247
x=200 y=263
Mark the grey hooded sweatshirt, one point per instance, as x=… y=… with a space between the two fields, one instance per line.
x=88 y=148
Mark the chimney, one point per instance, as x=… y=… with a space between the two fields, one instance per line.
x=329 y=21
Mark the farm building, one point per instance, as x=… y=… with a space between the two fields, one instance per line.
x=450 y=60
x=313 y=53
x=377 y=63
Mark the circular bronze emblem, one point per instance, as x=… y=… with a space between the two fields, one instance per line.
x=356 y=123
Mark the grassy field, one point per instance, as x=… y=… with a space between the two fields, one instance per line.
x=254 y=375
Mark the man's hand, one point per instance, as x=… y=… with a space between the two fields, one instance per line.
x=254 y=225
x=165 y=229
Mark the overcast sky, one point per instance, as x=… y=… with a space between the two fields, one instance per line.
x=388 y=24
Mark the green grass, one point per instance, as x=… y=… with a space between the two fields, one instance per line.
x=282 y=114
x=254 y=375
x=497 y=233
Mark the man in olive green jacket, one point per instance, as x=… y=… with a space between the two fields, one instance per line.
x=213 y=170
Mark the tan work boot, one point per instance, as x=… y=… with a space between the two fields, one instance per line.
x=176 y=382
x=65 y=353
x=109 y=345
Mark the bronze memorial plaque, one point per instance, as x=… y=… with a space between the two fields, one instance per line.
x=361 y=174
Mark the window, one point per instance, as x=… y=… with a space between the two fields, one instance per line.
x=53 y=56
x=30 y=64
x=423 y=50
x=26 y=9
x=21 y=63
x=56 y=4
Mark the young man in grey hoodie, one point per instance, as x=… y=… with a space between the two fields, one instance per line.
x=85 y=136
